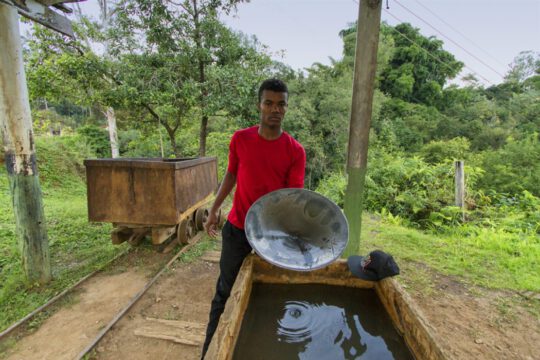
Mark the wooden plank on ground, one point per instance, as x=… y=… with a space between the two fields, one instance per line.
x=211 y=256
x=178 y=331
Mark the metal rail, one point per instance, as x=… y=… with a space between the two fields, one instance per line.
x=22 y=321
x=133 y=300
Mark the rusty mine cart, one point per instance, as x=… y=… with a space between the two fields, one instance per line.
x=162 y=198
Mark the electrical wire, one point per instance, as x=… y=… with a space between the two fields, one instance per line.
x=426 y=51
x=449 y=39
x=460 y=33
x=430 y=54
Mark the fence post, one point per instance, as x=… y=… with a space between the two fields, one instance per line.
x=460 y=186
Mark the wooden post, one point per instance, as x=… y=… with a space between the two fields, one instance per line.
x=16 y=127
x=460 y=186
x=365 y=65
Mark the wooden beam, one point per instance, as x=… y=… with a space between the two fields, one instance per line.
x=161 y=234
x=42 y=14
x=224 y=339
x=20 y=155
x=56 y=2
x=63 y=8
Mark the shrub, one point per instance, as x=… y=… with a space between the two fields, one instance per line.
x=406 y=187
x=60 y=159
x=513 y=168
x=97 y=139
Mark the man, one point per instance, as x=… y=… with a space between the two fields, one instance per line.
x=262 y=158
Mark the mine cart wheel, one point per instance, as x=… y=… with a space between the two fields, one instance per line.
x=190 y=229
x=182 y=232
x=201 y=214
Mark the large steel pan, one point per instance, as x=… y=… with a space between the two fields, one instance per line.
x=297 y=229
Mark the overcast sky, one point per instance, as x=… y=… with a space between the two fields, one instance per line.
x=485 y=34
x=493 y=31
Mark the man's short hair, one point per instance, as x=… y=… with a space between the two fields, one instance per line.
x=273 y=85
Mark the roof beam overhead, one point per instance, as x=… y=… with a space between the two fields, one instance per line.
x=39 y=12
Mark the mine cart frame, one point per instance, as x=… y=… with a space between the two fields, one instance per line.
x=165 y=199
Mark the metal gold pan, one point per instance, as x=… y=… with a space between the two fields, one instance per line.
x=297 y=229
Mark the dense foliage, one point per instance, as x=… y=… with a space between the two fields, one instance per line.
x=179 y=80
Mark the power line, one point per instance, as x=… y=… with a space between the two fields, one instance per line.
x=460 y=33
x=449 y=39
x=427 y=52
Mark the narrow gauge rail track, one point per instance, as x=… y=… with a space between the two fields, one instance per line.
x=4 y=334
x=135 y=298
x=10 y=330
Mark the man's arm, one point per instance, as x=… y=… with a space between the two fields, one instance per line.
x=226 y=186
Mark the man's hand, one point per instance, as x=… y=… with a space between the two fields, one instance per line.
x=210 y=226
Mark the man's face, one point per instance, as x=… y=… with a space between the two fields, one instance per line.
x=273 y=106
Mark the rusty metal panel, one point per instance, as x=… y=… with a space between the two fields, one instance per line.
x=195 y=183
x=146 y=191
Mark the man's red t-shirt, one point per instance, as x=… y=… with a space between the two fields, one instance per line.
x=262 y=166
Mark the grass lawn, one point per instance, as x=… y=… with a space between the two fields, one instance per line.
x=488 y=258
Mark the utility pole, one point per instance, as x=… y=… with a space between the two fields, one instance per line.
x=20 y=153
x=16 y=129
x=365 y=66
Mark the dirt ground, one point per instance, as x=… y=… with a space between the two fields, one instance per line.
x=69 y=330
x=475 y=323
x=184 y=294
x=468 y=322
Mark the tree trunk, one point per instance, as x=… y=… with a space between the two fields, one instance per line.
x=175 y=149
x=202 y=136
x=202 y=80
x=113 y=136
x=16 y=126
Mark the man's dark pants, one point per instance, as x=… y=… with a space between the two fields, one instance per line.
x=234 y=250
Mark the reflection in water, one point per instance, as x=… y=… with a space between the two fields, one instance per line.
x=324 y=328
x=317 y=322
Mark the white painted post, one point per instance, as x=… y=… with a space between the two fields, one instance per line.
x=113 y=135
x=19 y=147
x=460 y=186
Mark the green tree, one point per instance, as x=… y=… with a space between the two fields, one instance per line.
x=525 y=65
x=418 y=68
x=191 y=59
